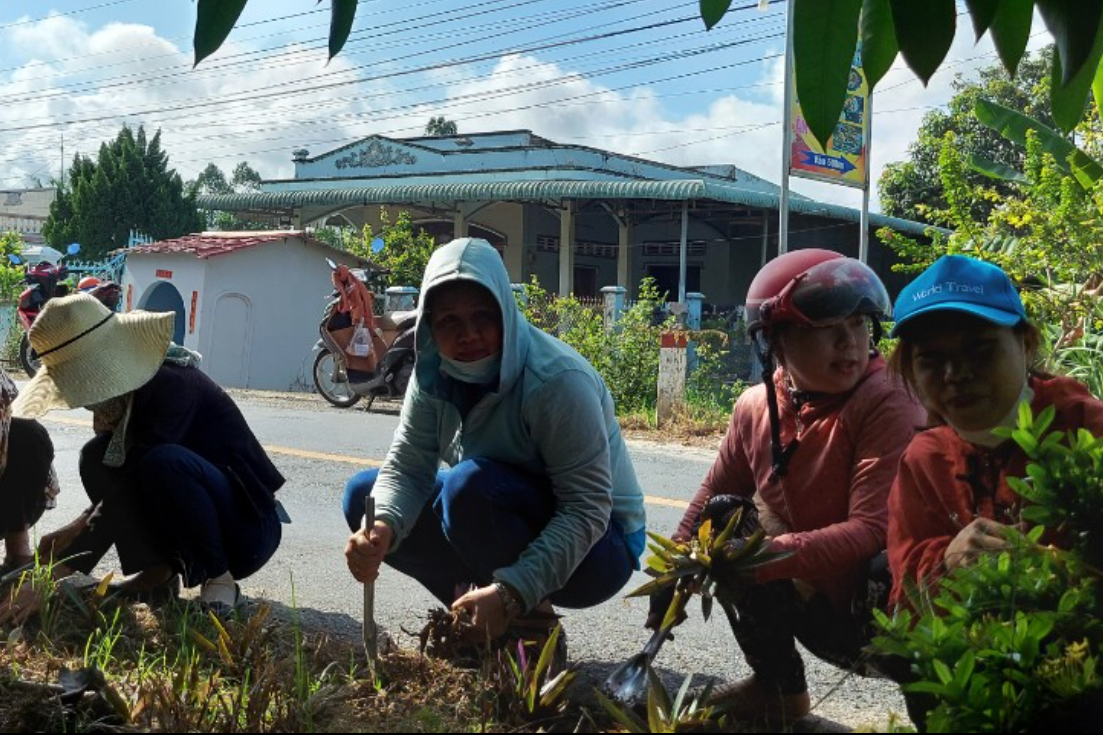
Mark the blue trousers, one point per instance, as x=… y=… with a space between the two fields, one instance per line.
x=481 y=516
x=170 y=505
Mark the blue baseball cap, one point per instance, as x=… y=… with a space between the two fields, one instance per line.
x=960 y=283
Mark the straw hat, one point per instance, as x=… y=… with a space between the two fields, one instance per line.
x=91 y=354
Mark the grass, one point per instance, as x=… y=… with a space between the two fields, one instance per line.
x=97 y=664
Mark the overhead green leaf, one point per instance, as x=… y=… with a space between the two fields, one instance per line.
x=1011 y=30
x=1073 y=24
x=924 y=31
x=995 y=170
x=340 y=25
x=825 y=34
x=214 y=20
x=713 y=10
x=879 y=47
x=982 y=12
x=1069 y=100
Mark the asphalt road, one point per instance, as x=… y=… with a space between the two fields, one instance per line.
x=318 y=448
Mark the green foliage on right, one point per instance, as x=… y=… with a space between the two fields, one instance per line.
x=128 y=187
x=1047 y=235
x=913 y=189
x=1012 y=643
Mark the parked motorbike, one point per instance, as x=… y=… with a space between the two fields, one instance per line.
x=44 y=281
x=371 y=357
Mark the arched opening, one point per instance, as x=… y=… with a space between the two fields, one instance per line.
x=163 y=296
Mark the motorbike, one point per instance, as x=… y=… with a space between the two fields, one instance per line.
x=44 y=281
x=369 y=358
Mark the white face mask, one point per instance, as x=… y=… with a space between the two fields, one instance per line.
x=985 y=437
x=479 y=372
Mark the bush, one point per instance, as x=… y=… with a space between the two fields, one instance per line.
x=627 y=358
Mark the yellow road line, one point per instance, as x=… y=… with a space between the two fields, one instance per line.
x=346 y=459
x=307 y=454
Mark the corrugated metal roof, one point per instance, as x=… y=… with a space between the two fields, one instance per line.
x=677 y=190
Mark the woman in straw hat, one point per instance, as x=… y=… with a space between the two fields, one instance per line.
x=178 y=482
x=28 y=484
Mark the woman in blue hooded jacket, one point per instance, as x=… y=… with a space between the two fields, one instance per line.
x=540 y=504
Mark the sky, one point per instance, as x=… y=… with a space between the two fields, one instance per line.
x=638 y=77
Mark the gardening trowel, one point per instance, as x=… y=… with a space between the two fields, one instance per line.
x=371 y=638
x=627 y=685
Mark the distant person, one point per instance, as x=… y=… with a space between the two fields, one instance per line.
x=810 y=455
x=178 y=482
x=540 y=504
x=28 y=484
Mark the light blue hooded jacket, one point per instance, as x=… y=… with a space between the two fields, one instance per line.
x=551 y=415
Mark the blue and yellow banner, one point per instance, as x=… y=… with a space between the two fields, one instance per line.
x=846 y=158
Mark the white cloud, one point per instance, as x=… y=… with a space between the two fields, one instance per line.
x=242 y=106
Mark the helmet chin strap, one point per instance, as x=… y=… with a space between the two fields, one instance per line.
x=780 y=453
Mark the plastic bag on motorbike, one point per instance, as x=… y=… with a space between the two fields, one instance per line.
x=361 y=343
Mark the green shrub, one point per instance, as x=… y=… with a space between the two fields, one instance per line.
x=1011 y=643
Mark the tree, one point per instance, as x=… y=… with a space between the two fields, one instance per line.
x=405 y=252
x=211 y=180
x=245 y=178
x=912 y=189
x=128 y=187
x=439 y=127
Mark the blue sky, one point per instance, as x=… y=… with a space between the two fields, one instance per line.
x=640 y=77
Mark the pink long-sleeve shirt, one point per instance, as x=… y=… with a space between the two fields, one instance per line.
x=830 y=508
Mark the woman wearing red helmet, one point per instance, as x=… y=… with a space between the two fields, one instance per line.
x=813 y=451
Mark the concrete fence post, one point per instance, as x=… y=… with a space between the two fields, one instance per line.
x=672 y=375
x=400 y=298
x=614 y=305
x=694 y=302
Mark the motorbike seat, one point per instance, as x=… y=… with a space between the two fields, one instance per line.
x=397 y=320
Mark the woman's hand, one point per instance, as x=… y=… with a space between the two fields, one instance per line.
x=487 y=611
x=54 y=544
x=364 y=551
x=21 y=603
x=979 y=537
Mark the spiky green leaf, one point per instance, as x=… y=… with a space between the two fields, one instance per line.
x=342 y=13
x=879 y=47
x=713 y=10
x=214 y=20
x=825 y=34
x=924 y=32
x=1011 y=31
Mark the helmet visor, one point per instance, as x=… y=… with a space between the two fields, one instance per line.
x=832 y=291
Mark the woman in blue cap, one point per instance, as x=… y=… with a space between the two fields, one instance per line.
x=967 y=350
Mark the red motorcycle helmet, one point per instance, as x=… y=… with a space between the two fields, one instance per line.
x=87 y=284
x=814 y=286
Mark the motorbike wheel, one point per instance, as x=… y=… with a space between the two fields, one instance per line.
x=28 y=357
x=339 y=393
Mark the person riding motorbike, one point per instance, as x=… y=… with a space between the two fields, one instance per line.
x=814 y=448
x=360 y=354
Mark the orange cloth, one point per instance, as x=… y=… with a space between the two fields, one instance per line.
x=355 y=297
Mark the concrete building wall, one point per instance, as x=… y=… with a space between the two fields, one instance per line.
x=25 y=211
x=183 y=272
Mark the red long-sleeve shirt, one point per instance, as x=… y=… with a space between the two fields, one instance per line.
x=932 y=499
x=830 y=507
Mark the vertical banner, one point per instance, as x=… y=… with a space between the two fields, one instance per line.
x=846 y=159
